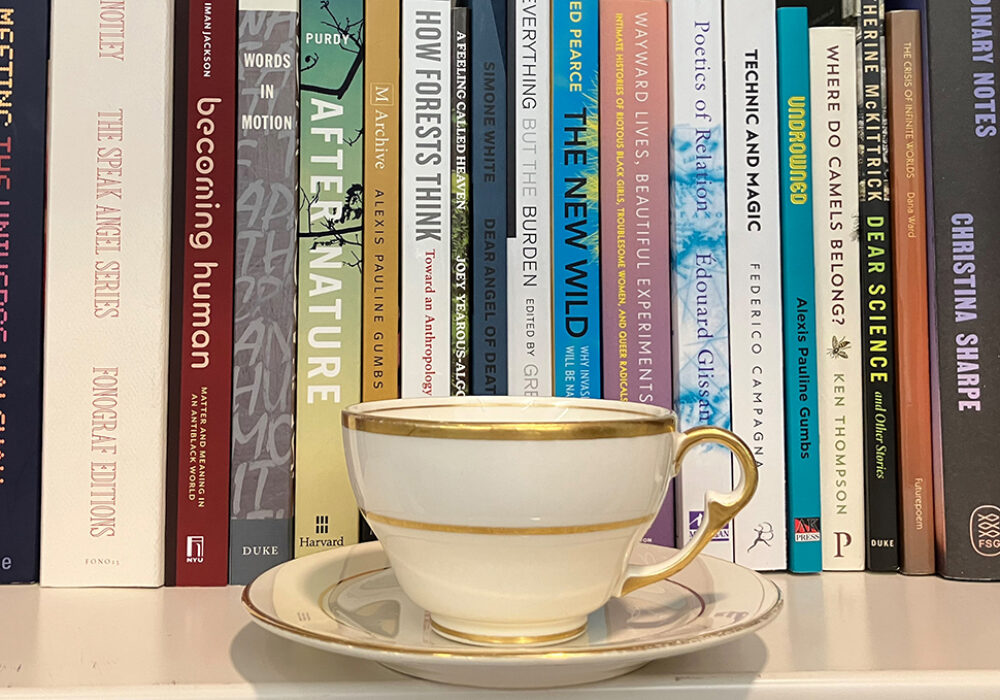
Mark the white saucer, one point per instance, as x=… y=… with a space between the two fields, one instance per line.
x=347 y=601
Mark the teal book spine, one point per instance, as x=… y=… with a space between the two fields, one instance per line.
x=798 y=293
x=576 y=307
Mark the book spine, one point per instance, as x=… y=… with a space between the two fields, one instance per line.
x=576 y=303
x=461 y=201
x=529 y=241
x=698 y=245
x=754 y=250
x=909 y=240
x=426 y=198
x=798 y=292
x=380 y=280
x=838 y=295
x=263 y=402
x=330 y=261
x=965 y=155
x=24 y=30
x=106 y=291
x=199 y=455
x=380 y=276
x=878 y=346
x=488 y=227
x=176 y=328
x=635 y=279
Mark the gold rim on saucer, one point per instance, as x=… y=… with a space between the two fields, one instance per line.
x=636 y=421
x=562 y=653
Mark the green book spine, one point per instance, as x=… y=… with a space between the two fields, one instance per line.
x=331 y=158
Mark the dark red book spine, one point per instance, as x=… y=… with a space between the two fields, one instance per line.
x=204 y=288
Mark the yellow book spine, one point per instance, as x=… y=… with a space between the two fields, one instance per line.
x=380 y=346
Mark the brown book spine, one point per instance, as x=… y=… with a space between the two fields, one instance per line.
x=909 y=233
x=380 y=321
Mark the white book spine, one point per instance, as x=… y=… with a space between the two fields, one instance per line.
x=754 y=244
x=425 y=249
x=107 y=297
x=698 y=252
x=833 y=79
x=529 y=251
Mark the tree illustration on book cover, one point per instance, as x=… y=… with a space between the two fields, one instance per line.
x=331 y=230
x=328 y=74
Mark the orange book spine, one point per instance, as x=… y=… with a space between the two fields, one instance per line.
x=909 y=233
x=380 y=284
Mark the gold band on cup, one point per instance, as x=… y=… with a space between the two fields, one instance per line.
x=490 y=530
x=633 y=422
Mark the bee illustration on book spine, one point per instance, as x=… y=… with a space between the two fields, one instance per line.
x=838 y=347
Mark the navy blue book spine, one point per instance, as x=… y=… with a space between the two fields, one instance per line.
x=489 y=196
x=24 y=32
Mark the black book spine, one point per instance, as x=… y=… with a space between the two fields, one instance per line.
x=24 y=31
x=178 y=238
x=461 y=201
x=962 y=39
x=878 y=350
x=365 y=533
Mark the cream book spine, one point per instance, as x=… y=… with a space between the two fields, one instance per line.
x=425 y=202
x=754 y=245
x=106 y=304
x=838 y=295
x=529 y=241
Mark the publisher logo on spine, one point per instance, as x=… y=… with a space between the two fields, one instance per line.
x=382 y=94
x=984 y=530
x=195 y=549
x=764 y=534
x=843 y=540
x=807 y=529
x=694 y=522
x=322 y=524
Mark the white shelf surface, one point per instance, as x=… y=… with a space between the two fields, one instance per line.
x=840 y=635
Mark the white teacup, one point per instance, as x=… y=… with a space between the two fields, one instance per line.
x=512 y=519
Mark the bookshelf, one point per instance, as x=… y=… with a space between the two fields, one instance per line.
x=851 y=635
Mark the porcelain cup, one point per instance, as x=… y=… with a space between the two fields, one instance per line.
x=511 y=519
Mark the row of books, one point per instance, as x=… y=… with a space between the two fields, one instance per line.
x=478 y=203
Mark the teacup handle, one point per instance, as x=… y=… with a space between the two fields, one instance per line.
x=719 y=508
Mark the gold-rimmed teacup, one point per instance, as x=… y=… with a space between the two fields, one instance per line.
x=511 y=519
